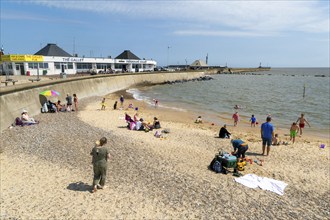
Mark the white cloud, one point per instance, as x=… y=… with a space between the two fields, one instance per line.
x=32 y=17
x=255 y=17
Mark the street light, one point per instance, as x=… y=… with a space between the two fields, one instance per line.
x=168 y=54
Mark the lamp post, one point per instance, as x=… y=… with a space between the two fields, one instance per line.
x=168 y=54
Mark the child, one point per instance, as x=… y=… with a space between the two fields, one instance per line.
x=115 y=105
x=236 y=118
x=293 y=131
x=253 y=121
x=276 y=140
x=103 y=104
x=199 y=120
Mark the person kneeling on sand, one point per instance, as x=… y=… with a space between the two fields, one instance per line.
x=100 y=155
x=224 y=133
x=240 y=147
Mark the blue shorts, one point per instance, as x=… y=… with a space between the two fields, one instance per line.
x=267 y=141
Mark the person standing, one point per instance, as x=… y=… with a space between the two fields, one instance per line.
x=68 y=102
x=100 y=156
x=75 y=101
x=121 y=99
x=253 y=121
x=267 y=135
x=236 y=118
x=302 y=122
x=293 y=131
x=103 y=104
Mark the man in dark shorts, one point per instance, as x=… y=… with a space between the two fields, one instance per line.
x=240 y=147
x=267 y=135
x=68 y=102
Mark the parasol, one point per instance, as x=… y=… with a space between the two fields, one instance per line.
x=49 y=93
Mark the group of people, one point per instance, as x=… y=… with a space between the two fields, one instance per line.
x=236 y=118
x=139 y=124
x=268 y=135
x=52 y=107
x=121 y=100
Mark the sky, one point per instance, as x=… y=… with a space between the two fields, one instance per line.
x=174 y=32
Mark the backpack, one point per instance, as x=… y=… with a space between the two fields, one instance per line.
x=215 y=165
x=18 y=122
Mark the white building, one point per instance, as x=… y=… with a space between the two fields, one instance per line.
x=52 y=60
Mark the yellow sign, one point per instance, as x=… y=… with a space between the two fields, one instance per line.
x=22 y=58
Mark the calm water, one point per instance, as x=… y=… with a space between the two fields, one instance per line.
x=278 y=92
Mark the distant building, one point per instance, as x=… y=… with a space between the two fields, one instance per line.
x=198 y=64
x=52 y=60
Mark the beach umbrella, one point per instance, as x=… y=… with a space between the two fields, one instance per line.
x=49 y=93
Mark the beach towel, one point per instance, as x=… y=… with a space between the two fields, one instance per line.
x=254 y=181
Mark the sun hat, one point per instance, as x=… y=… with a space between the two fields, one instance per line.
x=24 y=111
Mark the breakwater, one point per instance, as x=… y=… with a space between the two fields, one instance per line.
x=14 y=99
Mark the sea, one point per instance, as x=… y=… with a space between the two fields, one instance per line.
x=283 y=93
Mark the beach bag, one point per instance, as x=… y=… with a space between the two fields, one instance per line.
x=215 y=165
x=18 y=122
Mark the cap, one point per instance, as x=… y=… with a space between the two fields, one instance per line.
x=24 y=111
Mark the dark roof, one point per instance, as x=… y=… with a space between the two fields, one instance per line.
x=127 y=55
x=53 y=50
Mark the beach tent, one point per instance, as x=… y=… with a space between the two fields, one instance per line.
x=199 y=63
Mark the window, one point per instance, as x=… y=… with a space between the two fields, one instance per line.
x=119 y=66
x=70 y=65
x=43 y=65
x=57 y=65
x=85 y=66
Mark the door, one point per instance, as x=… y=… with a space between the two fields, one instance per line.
x=21 y=66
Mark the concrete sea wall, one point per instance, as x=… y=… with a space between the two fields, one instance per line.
x=16 y=98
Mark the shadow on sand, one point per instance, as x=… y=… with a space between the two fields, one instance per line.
x=80 y=186
x=253 y=154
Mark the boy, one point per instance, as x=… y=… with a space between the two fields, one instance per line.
x=293 y=131
x=302 y=122
x=253 y=121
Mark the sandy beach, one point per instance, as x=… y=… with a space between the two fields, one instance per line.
x=46 y=170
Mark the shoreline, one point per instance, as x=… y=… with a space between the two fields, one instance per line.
x=217 y=120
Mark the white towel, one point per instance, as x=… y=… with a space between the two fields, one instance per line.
x=254 y=181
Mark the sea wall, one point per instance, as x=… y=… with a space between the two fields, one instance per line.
x=14 y=99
